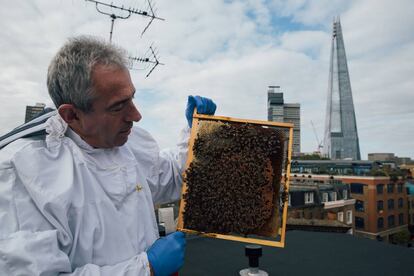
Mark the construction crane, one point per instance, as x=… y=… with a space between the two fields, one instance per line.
x=319 y=142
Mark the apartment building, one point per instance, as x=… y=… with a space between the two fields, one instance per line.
x=320 y=205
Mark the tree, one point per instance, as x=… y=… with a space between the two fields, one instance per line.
x=377 y=172
x=402 y=237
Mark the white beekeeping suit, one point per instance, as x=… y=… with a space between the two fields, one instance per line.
x=66 y=207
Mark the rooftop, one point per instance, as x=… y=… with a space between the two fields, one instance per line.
x=306 y=253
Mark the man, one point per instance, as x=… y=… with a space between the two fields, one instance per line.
x=80 y=201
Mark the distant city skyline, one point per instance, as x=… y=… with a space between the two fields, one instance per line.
x=230 y=51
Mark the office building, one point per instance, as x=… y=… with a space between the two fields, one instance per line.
x=386 y=157
x=341 y=135
x=279 y=111
x=381 y=156
x=33 y=111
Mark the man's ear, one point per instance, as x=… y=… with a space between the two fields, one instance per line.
x=69 y=113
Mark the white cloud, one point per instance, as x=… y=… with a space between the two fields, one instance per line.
x=231 y=51
x=310 y=12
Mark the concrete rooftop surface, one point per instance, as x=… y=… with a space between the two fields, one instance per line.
x=305 y=253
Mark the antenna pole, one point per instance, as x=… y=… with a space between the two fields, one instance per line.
x=112 y=27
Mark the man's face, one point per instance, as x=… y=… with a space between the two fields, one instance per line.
x=113 y=112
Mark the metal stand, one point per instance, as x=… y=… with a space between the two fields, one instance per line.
x=253 y=252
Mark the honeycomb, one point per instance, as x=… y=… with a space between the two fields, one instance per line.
x=234 y=178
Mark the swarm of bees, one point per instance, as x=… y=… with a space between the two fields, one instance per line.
x=233 y=181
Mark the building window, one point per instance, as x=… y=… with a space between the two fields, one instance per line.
x=289 y=203
x=345 y=194
x=380 y=189
x=325 y=197
x=349 y=217
x=390 y=204
x=359 y=223
x=400 y=202
x=401 y=219
x=359 y=206
x=380 y=205
x=338 y=154
x=308 y=198
x=390 y=188
x=400 y=188
x=391 y=221
x=333 y=196
x=380 y=223
x=341 y=216
x=357 y=188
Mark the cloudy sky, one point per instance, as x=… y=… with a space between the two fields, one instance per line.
x=230 y=51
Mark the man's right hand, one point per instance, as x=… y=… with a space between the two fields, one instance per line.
x=166 y=255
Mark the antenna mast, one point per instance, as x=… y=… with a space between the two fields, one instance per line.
x=127 y=13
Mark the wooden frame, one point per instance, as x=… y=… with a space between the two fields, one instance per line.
x=285 y=183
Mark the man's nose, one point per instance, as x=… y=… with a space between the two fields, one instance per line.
x=133 y=114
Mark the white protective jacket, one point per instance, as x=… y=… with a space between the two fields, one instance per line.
x=66 y=207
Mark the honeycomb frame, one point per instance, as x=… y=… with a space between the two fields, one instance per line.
x=278 y=229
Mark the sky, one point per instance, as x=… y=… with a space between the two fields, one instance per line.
x=230 y=51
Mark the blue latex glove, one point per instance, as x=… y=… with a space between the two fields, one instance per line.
x=204 y=106
x=166 y=255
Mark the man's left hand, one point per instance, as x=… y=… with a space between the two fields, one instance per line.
x=203 y=105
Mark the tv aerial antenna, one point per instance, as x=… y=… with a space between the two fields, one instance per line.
x=124 y=13
x=151 y=57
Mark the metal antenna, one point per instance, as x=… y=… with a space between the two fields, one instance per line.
x=152 y=18
x=153 y=60
x=127 y=13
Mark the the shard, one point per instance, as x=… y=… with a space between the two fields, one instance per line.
x=341 y=135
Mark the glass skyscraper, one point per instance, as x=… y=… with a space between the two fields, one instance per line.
x=341 y=135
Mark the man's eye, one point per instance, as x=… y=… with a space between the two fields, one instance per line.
x=117 y=107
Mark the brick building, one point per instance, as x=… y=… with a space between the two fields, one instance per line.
x=410 y=203
x=381 y=205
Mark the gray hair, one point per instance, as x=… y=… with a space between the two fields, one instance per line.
x=70 y=72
